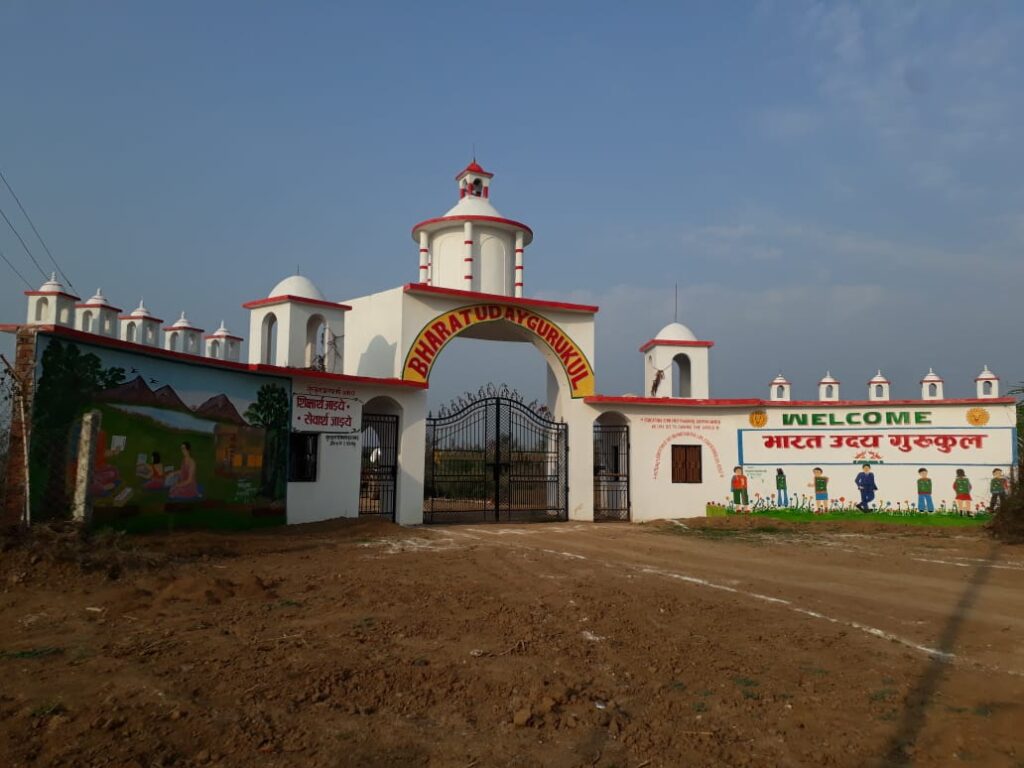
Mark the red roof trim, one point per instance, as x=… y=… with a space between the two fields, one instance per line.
x=474 y=167
x=296 y=299
x=87 y=305
x=184 y=328
x=53 y=293
x=106 y=341
x=147 y=318
x=500 y=299
x=683 y=402
x=675 y=343
x=468 y=217
x=216 y=335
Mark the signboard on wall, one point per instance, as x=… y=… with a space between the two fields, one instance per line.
x=327 y=409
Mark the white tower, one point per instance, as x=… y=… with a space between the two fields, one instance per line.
x=878 y=387
x=51 y=304
x=988 y=384
x=182 y=336
x=97 y=315
x=780 y=390
x=676 y=364
x=473 y=247
x=931 y=386
x=296 y=327
x=141 y=327
x=221 y=345
x=828 y=389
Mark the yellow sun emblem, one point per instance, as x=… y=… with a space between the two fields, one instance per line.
x=758 y=419
x=977 y=417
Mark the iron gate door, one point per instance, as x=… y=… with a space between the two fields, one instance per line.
x=495 y=460
x=611 y=472
x=379 y=466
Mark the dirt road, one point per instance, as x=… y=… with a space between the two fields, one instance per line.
x=727 y=642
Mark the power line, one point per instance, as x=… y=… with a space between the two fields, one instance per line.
x=32 y=224
x=15 y=270
x=23 y=244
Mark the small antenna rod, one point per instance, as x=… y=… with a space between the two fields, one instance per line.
x=675 y=311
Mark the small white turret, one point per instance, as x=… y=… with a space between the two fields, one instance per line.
x=140 y=326
x=296 y=327
x=221 y=345
x=182 y=336
x=51 y=304
x=878 y=387
x=676 y=364
x=988 y=384
x=932 y=386
x=828 y=388
x=780 y=390
x=97 y=315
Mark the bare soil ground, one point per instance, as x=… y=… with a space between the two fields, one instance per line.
x=724 y=642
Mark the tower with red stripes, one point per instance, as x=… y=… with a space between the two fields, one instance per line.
x=473 y=247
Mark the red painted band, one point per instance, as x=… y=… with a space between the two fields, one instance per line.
x=52 y=293
x=519 y=250
x=671 y=343
x=499 y=298
x=489 y=219
x=295 y=299
x=98 y=306
x=186 y=328
x=467 y=242
x=676 y=401
x=140 y=319
x=424 y=250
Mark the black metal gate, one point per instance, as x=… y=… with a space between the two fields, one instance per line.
x=611 y=472
x=495 y=459
x=379 y=469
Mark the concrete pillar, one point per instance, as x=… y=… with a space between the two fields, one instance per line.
x=468 y=242
x=424 y=257
x=81 y=510
x=519 y=265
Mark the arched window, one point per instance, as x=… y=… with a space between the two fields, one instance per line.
x=879 y=390
x=174 y=341
x=41 y=306
x=478 y=187
x=87 y=321
x=316 y=343
x=829 y=391
x=986 y=387
x=268 y=349
x=933 y=390
x=780 y=392
x=215 y=349
x=682 y=385
x=129 y=333
x=150 y=335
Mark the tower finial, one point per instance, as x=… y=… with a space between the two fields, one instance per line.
x=675 y=310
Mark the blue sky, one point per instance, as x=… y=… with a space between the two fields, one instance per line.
x=833 y=186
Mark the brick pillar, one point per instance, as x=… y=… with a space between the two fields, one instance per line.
x=24 y=367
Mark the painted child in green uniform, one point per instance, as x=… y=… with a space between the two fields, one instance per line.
x=998 y=488
x=820 y=486
x=962 y=489
x=780 y=486
x=740 y=495
x=924 y=491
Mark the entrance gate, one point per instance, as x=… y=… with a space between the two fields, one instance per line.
x=492 y=458
x=379 y=466
x=611 y=472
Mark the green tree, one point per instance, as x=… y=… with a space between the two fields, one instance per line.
x=68 y=382
x=271 y=411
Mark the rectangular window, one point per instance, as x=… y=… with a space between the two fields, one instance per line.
x=303 y=450
x=686 y=464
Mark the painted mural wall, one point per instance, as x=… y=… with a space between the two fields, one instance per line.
x=179 y=445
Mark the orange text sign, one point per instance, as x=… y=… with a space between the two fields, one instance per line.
x=441 y=329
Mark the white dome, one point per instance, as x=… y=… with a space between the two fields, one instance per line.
x=98 y=300
x=52 y=285
x=878 y=378
x=829 y=379
x=932 y=376
x=222 y=330
x=141 y=311
x=181 y=322
x=474 y=206
x=987 y=374
x=297 y=285
x=780 y=379
x=675 y=332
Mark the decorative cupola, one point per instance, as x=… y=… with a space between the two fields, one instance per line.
x=988 y=384
x=221 y=345
x=140 y=327
x=296 y=327
x=931 y=386
x=182 y=336
x=51 y=304
x=828 y=389
x=780 y=390
x=676 y=364
x=473 y=247
x=97 y=315
x=878 y=387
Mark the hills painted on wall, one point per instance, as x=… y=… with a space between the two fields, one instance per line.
x=138 y=392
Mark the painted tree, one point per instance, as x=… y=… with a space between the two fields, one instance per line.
x=68 y=382
x=271 y=411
